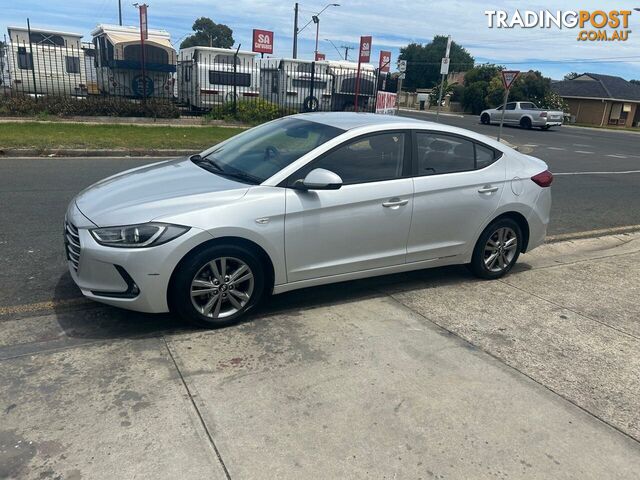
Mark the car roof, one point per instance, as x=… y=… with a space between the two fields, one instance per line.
x=350 y=120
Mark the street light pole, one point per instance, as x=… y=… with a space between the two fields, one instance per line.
x=120 y=11
x=316 y=20
x=295 y=31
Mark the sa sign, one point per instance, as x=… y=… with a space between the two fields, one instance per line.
x=365 y=49
x=262 y=41
x=385 y=61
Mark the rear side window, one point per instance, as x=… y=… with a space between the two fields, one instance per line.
x=440 y=153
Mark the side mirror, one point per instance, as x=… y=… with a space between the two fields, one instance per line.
x=321 y=179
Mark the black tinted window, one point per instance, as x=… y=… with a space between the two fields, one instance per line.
x=511 y=106
x=25 y=60
x=438 y=153
x=484 y=156
x=227 y=78
x=367 y=159
x=72 y=64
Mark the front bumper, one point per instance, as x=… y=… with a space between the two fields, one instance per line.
x=132 y=278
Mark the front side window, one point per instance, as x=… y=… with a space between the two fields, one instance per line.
x=72 y=64
x=25 y=59
x=261 y=152
x=511 y=106
x=367 y=159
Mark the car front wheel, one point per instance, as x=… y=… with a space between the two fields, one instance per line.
x=497 y=249
x=485 y=119
x=217 y=286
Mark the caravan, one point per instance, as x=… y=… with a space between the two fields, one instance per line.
x=296 y=85
x=209 y=76
x=119 y=64
x=344 y=85
x=45 y=62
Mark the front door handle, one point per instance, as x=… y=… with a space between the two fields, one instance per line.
x=394 y=203
x=488 y=189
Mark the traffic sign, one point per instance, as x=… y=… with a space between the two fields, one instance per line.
x=402 y=66
x=444 y=66
x=508 y=77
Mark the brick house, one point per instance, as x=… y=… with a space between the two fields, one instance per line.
x=601 y=100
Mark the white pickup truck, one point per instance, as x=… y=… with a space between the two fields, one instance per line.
x=525 y=114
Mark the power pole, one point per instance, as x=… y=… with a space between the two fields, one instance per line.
x=295 y=31
x=346 y=51
x=444 y=75
x=120 y=11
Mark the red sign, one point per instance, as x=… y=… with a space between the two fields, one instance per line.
x=385 y=61
x=508 y=77
x=386 y=103
x=262 y=41
x=320 y=56
x=365 y=49
x=144 y=29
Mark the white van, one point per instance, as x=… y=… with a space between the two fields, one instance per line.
x=209 y=76
x=344 y=85
x=296 y=85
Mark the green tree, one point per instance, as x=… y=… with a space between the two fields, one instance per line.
x=209 y=34
x=635 y=82
x=447 y=89
x=423 y=62
x=571 y=75
x=476 y=87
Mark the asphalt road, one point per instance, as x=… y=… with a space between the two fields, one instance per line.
x=582 y=200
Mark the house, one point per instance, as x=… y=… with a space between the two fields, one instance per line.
x=601 y=100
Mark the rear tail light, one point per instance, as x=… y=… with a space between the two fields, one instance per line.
x=543 y=114
x=544 y=179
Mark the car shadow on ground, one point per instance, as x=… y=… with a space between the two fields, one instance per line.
x=94 y=321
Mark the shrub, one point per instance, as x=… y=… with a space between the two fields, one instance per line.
x=252 y=111
x=64 y=106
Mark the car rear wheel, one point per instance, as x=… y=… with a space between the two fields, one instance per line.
x=485 y=118
x=525 y=123
x=217 y=286
x=497 y=249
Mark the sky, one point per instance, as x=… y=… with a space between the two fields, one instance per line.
x=393 y=24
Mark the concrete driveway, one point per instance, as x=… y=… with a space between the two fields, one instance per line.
x=425 y=375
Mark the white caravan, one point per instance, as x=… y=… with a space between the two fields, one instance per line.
x=48 y=62
x=291 y=84
x=344 y=85
x=209 y=76
x=119 y=62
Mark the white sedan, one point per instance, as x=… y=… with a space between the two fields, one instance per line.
x=301 y=201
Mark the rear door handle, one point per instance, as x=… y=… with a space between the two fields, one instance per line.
x=394 y=203
x=488 y=189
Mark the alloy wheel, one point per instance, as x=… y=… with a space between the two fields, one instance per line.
x=500 y=249
x=222 y=287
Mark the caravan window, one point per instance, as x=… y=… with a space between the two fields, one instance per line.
x=227 y=59
x=46 y=39
x=304 y=68
x=217 y=77
x=106 y=50
x=306 y=83
x=72 y=64
x=25 y=59
x=152 y=54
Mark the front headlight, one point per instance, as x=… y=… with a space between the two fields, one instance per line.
x=135 y=236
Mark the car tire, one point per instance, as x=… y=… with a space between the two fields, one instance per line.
x=497 y=238
x=485 y=119
x=217 y=298
x=546 y=127
x=525 y=123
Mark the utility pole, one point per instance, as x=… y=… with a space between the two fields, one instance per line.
x=316 y=20
x=295 y=32
x=346 y=51
x=120 y=12
x=444 y=70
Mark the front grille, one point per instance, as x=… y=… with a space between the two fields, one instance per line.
x=72 y=244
